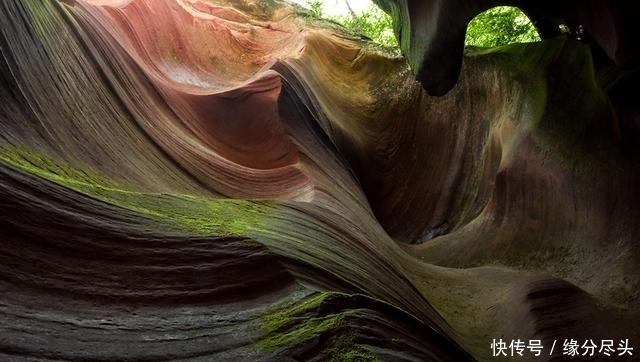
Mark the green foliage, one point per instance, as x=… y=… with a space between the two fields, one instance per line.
x=498 y=26
x=316 y=7
x=501 y=25
x=372 y=23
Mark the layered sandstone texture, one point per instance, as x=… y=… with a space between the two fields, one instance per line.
x=233 y=180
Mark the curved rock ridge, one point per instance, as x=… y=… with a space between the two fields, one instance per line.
x=231 y=180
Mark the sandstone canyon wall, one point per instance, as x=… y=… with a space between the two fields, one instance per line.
x=228 y=180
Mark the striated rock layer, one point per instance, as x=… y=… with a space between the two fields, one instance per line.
x=186 y=180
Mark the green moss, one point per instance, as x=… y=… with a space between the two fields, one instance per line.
x=45 y=20
x=345 y=349
x=279 y=318
x=306 y=329
x=300 y=322
x=296 y=323
x=39 y=14
x=55 y=170
x=182 y=213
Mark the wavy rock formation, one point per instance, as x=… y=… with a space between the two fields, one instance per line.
x=232 y=180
